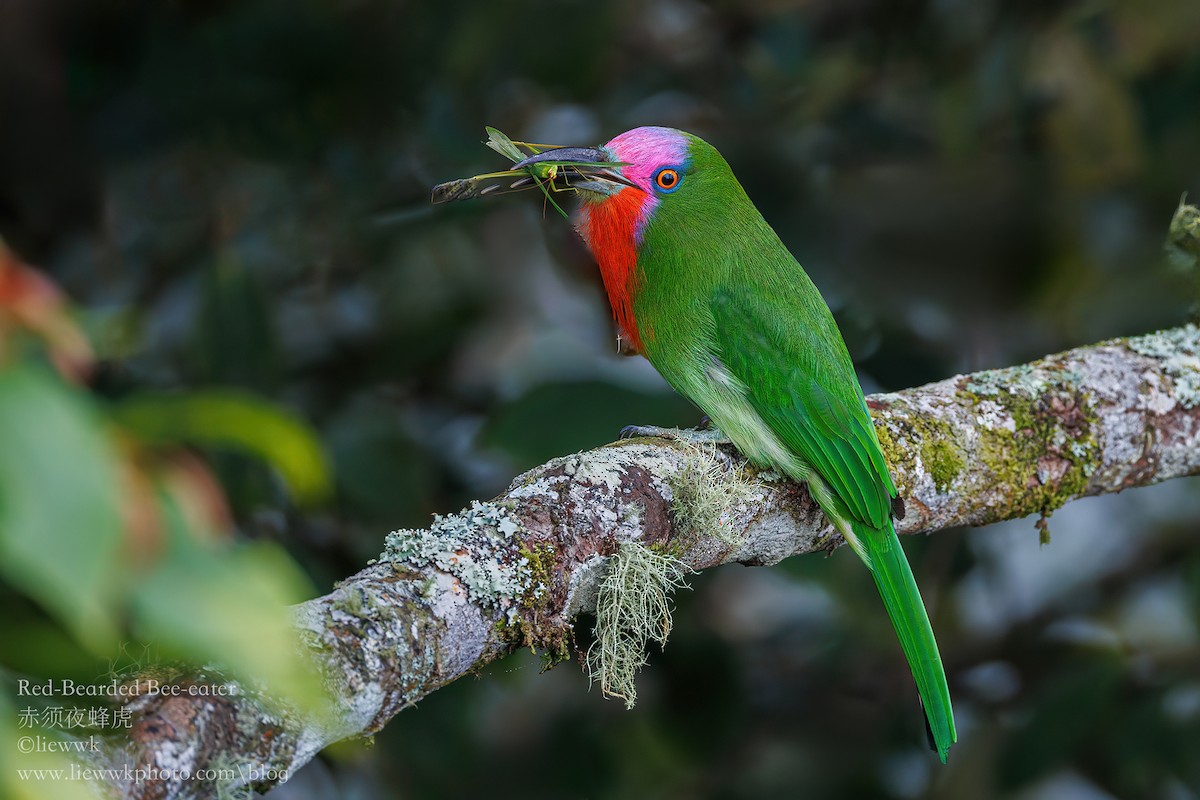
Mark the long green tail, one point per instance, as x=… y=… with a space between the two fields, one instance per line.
x=900 y=595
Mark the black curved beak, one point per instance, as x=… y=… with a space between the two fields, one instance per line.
x=588 y=168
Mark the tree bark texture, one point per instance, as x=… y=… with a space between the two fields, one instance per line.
x=444 y=601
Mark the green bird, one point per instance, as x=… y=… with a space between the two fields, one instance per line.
x=702 y=286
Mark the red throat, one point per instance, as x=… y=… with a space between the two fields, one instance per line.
x=610 y=230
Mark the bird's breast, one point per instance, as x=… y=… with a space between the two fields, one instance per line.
x=611 y=229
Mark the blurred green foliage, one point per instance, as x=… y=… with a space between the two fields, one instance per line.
x=236 y=421
x=60 y=522
x=112 y=540
x=236 y=196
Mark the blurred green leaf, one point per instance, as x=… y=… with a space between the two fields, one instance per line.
x=239 y=421
x=231 y=607
x=60 y=523
x=36 y=785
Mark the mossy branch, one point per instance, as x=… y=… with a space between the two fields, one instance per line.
x=442 y=602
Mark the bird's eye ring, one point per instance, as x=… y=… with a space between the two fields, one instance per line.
x=667 y=180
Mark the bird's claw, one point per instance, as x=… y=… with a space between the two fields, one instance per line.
x=709 y=435
x=828 y=543
x=638 y=431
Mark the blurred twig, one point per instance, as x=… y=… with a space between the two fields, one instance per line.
x=972 y=449
x=1183 y=246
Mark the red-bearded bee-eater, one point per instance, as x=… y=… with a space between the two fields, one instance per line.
x=702 y=286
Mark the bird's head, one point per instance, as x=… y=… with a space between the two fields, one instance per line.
x=635 y=174
x=641 y=177
x=646 y=184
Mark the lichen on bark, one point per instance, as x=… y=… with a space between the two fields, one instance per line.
x=967 y=450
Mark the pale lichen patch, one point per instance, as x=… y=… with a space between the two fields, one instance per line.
x=1155 y=394
x=475 y=548
x=992 y=416
x=1027 y=380
x=1185 y=371
x=1178 y=350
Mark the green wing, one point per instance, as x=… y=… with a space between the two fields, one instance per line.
x=801 y=382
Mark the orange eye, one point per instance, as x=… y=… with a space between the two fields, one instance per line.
x=667 y=180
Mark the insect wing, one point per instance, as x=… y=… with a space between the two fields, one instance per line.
x=503 y=145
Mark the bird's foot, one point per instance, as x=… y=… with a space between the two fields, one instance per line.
x=709 y=435
x=828 y=544
x=640 y=431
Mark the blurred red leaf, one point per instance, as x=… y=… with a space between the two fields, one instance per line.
x=31 y=302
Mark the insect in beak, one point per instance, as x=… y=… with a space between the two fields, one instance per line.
x=585 y=168
x=549 y=168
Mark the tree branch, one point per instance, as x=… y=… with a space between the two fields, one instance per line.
x=444 y=601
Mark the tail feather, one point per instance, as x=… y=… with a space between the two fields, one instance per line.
x=902 y=599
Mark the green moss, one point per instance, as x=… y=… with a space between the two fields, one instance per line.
x=558 y=652
x=942 y=460
x=530 y=625
x=1036 y=438
x=1048 y=455
x=543 y=560
x=227 y=771
x=939 y=456
x=900 y=460
x=356 y=603
x=506 y=631
x=935 y=447
x=311 y=640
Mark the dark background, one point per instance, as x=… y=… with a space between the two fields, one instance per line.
x=236 y=194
